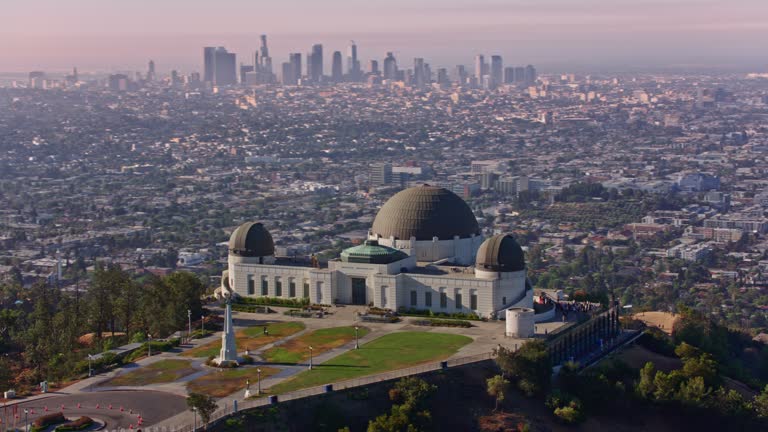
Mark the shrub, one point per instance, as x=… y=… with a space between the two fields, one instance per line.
x=77 y=425
x=246 y=359
x=46 y=421
x=429 y=313
x=433 y=322
x=272 y=301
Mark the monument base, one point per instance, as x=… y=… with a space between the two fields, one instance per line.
x=226 y=363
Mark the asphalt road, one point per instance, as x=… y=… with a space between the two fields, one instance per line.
x=152 y=406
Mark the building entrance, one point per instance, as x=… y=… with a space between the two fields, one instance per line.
x=358 y=291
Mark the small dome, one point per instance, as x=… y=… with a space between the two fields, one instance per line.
x=371 y=252
x=425 y=212
x=500 y=253
x=251 y=239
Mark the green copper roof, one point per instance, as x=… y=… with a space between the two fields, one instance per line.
x=372 y=253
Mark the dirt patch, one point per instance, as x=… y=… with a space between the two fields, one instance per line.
x=664 y=321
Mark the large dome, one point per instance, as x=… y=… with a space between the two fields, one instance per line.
x=251 y=239
x=500 y=253
x=425 y=212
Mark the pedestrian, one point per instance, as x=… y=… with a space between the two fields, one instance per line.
x=266 y=332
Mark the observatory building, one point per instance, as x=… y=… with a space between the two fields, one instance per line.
x=424 y=251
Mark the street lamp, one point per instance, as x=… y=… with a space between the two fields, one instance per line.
x=149 y=345
x=357 y=344
x=189 y=332
x=258 y=383
x=90 y=368
x=202 y=324
x=194 y=413
x=26 y=420
x=310 y=357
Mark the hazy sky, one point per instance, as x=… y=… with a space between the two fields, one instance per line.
x=559 y=34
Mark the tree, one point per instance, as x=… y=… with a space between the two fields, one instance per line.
x=760 y=403
x=693 y=392
x=203 y=404
x=496 y=388
x=646 y=387
x=530 y=366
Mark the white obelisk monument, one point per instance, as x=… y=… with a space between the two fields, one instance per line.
x=228 y=353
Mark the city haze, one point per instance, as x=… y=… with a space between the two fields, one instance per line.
x=555 y=34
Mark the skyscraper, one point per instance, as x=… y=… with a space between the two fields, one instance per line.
x=353 y=63
x=225 y=67
x=151 y=71
x=530 y=75
x=295 y=60
x=479 y=67
x=509 y=75
x=289 y=77
x=337 y=73
x=497 y=71
x=220 y=66
x=373 y=67
x=519 y=75
x=209 y=63
x=390 y=67
x=419 y=78
x=316 y=63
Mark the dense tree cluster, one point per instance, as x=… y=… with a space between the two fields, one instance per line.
x=42 y=329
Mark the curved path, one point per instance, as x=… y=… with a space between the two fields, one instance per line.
x=152 y=406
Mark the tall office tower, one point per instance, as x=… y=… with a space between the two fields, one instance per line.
x=264 y=48
x=316 y=72
x=442 y=77
x=175 y=78
x=419 y=74
x=209 y=54
x=353 y=63
x=295 y=60
x=244 y=70
x=497 y=70
x=75 y=75
x=509 y=75
x=373 y=67
x=479 y=67
x=151 y=71
x=519 y=75
x=337 y=74
x=461 y=74
x=224 y=67
x=380 y=174
x=530 y=75
x=390 y=67
x=427 y=74
x=289 y=77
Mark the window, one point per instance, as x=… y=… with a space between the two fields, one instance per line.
x=383 y=296
x=413 y=298
x=504 y=301
x=278 y=287
x=443 y=299
x=428 y=299
x=292 y=288
x=458 y=300
x=306 y=288
x=473 y=301
x=264 y=287
x=251 y=286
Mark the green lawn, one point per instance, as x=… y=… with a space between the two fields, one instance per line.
x=224 y=382
x=163 y=371
x=389 y=352
x=296 y=350
x=251 y=338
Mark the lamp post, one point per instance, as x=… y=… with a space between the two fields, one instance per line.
x=202 y=324
x=149 y=345
x=26 y=420
x=90 y=367
x=194 y=413
x=310 y=357
x=258 y=382
x=357 y=343
x=189 y=332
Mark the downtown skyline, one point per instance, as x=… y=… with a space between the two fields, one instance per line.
x=556 y=35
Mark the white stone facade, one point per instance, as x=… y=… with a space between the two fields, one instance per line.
x=394 y=285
